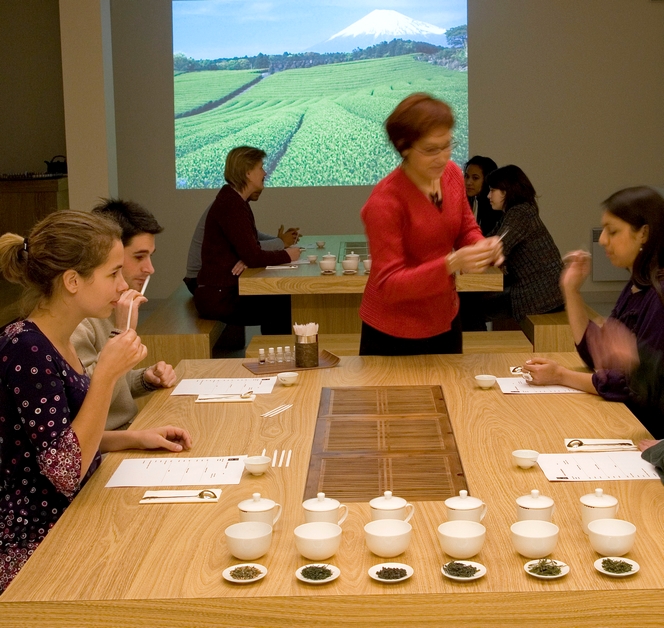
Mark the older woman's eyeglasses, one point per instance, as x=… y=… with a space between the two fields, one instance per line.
x=434 y=151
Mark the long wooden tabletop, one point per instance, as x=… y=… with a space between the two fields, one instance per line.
x=112 y=562
x=307 y=278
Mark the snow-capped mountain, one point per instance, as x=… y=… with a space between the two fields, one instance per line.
x=381 y=25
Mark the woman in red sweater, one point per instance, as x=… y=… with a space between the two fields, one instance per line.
x=421 y=231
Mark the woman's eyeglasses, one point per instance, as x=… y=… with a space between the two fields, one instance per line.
x=434 y=151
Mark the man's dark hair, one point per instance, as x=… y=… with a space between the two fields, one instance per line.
x=133 y=218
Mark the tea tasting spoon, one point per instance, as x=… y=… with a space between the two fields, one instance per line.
x=576 y=443
x=204 y=494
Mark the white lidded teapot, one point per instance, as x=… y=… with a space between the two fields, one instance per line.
x=390 y=507
x=534 y=506
x=322 y=508
x=463 y=507
x=259 y=509
x=597 y=505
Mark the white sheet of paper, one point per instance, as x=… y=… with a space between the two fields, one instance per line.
x=225 y=386
x=595 y=467
x=519 y=386
x=178 y=471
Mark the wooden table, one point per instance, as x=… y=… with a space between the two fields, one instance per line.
x=111 y=562
x=334 y=300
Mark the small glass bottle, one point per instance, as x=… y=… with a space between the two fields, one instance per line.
x=270 y=356
x=261 y=356
x=288 y=356
x=280 y=354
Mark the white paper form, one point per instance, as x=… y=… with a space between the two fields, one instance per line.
x=619 y=465
x=225 y=386
x=178 y=471
x=519 y=386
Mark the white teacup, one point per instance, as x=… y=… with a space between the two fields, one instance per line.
x=320 y=244
x=349 y=264
x=461 y=539
x=533 y=538
x=390 y=507
x=611 y=537
x=288 y=378
x=525 y=458
x=318 y=540
x=465 y=508
x=367 y=265
x=534 y=506
x=248 y=540
x=323 y=508
x=597 y=505
x=259 y=509
x=485 y=381
x=257 y=465
x=388 y=537
x=328 y=265
x=329 y=256
x=312 y=258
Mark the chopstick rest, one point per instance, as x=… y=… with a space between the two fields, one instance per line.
x=180 y=496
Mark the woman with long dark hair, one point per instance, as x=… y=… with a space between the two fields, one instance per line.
x=475 y=175
x=532 y=260
x=633 y=237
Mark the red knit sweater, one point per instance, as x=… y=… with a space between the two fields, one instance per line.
x=409 y=293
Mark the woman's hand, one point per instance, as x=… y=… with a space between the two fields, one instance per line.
x=544 y=371
x=576 y=271
x=119 y=355
x=290 y=236
x=164 y=437
x=160 y=374
x=614 y=347
x=476 y=258
x=122 y=308
x=239 y=268
x=646 y=444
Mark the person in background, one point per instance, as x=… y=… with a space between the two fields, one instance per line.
x=230 y=241
x=633 y=237
x=52 y=414
x=477 y=189
x=139 y=228
x=532 y=260
x=283 y=240
x=420 y=231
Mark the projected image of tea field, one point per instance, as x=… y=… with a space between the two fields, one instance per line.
x=319 y=126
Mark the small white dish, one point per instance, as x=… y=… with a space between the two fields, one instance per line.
x=481 y=570
x=485 y=381
x=376 y=568
x=564 y=569
x=633 y=563
x=350 y=272
x=336 y=572
x=226 y=573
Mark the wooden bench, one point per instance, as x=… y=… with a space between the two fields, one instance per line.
x=174 y=331
x=551 y=332
x=349 y=344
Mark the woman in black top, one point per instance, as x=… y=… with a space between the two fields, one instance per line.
x=532 y=260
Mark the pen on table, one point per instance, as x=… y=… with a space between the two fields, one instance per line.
x=263 y=452
x=281 y=460
x=290 y=451
x=274 y=458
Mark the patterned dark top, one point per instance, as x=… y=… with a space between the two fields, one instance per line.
x=40 y=457
x=533 y=262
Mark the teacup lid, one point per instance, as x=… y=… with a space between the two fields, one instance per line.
x=256 y=504
x=388 y=502
x=463 y=501
x=598 y=499
x=320 y=503
x=534 y=501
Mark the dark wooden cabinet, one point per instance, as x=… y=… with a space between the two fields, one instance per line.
x=23 y=202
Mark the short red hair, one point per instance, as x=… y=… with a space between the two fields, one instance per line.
x=414 y=117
